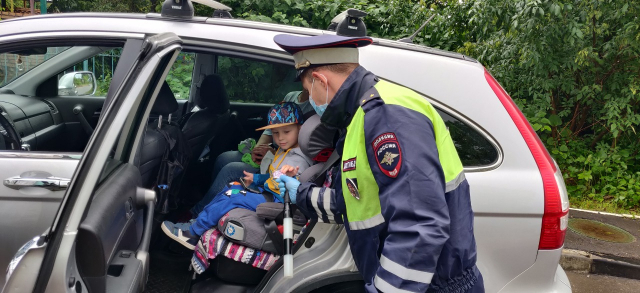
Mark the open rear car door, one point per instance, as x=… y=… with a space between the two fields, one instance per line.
x=99 y=239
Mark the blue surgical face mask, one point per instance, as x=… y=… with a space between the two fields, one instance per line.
x=318 y=108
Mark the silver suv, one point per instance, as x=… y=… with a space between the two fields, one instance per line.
x=71 y=163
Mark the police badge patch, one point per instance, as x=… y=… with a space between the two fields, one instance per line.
x=388 y=154
x=352 y=185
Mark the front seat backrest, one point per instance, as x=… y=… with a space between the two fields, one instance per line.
x=316 y=142
x=154 y=144
x=213 y=113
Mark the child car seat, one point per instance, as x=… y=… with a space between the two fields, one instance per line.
x=259 y=230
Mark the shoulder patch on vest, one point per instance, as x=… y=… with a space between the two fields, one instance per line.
x=388 y=154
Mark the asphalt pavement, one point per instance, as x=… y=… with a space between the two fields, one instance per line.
x=590 y=283
x=594 y=261
x=628 y=252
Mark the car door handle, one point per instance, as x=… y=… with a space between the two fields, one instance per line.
x=51 y=183
x=259 y=118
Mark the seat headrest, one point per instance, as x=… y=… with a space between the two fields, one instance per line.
x=213 y=95
x=165 y=103
x=316 y=139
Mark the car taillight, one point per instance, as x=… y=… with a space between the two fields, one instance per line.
x=556 y=206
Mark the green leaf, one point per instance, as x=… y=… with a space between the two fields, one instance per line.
x=564 y=148
x=555 y=120
x=536 y=126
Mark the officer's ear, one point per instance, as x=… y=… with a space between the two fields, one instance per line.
x=320 y=78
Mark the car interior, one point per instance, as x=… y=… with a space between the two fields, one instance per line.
x=52 y=98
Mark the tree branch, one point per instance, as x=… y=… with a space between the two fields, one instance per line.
x=599 y=137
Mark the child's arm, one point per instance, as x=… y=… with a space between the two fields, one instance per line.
x=258 y=179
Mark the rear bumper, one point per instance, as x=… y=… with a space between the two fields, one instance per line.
x=541 y=277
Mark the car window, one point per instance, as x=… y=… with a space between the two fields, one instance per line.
x=252 y=81
x=16 y=63
x=77 y=80
x=41 y=122
x=101 y=66
x=181 y=74
x=473 y=147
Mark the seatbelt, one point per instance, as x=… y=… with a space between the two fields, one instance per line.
x=319 y=178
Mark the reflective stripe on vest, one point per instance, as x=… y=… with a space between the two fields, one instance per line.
x=365 y=212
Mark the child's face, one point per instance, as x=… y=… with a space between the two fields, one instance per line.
x=286 y=137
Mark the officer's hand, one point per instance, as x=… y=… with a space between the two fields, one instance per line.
x=289 y=184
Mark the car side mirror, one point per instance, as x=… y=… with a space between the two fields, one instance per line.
x=77 y=83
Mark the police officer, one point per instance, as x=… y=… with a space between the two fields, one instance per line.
x=400 y=189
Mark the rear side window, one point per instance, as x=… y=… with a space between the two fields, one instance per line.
x=252 y=81
x=473 y=148
x=181 y=74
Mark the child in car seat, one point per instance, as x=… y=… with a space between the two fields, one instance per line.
x=285 y=120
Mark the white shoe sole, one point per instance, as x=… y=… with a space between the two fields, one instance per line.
x=176 y=238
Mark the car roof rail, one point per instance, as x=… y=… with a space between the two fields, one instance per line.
x=184 y=8
x=349 y=23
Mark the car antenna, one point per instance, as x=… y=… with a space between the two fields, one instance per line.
x=410 y=38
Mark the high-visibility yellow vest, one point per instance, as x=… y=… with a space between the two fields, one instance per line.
x=365 y=212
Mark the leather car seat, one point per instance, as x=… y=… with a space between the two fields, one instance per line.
x=213 y=114
x=154 y=144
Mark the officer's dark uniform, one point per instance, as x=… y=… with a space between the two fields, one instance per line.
x=400 y=189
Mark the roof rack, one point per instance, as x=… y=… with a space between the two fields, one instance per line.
x=184 y=8
x=349 y=23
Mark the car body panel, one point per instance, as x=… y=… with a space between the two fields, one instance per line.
x=29 y=211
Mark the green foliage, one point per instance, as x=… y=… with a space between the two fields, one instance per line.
x=139 y=6
x=572 y=67
x=392 y=19
x=103 y=86
x=179 y=77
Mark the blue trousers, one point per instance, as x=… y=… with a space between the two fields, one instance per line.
x=227 y=168
x=222 y=204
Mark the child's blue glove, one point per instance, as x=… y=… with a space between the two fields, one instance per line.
x=287 y=183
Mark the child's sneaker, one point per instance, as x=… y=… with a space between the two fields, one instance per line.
x=180 y=232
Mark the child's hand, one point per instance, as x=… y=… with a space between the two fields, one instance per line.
x=248 y=177
x=290 y=170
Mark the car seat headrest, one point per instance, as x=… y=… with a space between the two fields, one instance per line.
x=316 y=139
x=165 y=103
x=213 y=95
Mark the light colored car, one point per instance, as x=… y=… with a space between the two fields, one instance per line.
x=78 y=190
